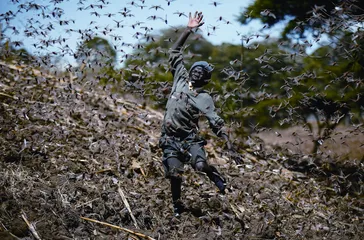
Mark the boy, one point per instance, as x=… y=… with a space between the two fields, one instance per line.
x=187 y=102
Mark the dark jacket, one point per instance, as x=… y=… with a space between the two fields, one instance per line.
x=185 y=104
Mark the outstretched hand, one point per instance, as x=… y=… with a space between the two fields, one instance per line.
x=196 y=20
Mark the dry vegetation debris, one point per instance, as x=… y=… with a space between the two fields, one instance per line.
x=71 y=150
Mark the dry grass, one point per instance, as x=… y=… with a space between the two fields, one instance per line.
x=64 y=155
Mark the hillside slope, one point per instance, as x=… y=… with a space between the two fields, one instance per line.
x=70 y=150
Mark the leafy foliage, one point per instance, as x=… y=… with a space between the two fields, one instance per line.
x=95 y=51
x=271 y=12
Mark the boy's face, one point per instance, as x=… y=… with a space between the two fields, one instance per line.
x=197 y=75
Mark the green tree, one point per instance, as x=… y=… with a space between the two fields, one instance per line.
x=248 y=76
x=271 y=12
x=97 y=56
x=325 y=85
x=95 y=52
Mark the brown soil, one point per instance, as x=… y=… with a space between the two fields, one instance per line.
x=71 y=151
x=345 y=143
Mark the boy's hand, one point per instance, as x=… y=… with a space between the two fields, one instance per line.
x=195 y=21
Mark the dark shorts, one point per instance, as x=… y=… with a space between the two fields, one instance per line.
x=178 y=152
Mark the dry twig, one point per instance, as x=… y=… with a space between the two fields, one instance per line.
x=30 y=226
x=88 y=202
x=7 y=95
x=125 y=201
x=120 y=228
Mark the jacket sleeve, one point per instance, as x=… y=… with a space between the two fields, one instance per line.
x=207 y=107
x=177 y=67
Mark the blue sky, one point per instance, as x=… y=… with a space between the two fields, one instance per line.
x=226 y=30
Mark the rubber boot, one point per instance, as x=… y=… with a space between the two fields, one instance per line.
x=219 y=180
x=178 y=206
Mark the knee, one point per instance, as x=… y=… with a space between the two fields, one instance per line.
x=175 y=174
x=201 y=166
x=175 y=179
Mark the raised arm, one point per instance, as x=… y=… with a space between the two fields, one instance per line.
x=193 y=22
x=175 y=55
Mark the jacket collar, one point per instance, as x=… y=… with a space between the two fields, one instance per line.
x=195 y=89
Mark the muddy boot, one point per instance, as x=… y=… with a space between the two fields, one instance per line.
x=220 y=184
x=219 y=180
x=178 y=208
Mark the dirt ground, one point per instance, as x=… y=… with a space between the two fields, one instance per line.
x=346 y=142
x=70 y=154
